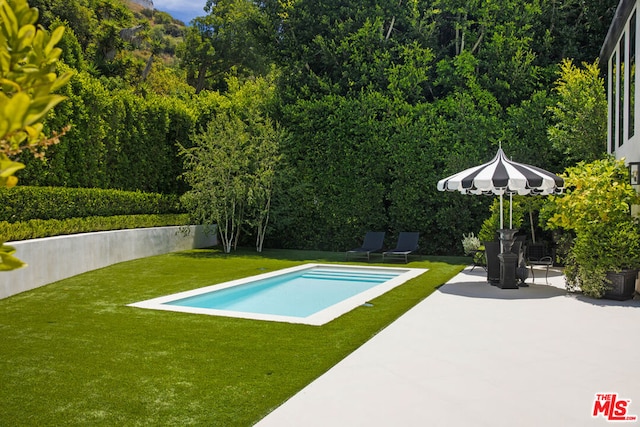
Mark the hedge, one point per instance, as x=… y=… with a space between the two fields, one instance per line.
x=38 y=228
x=118 y=139
x=26 y=203
x=371 y=163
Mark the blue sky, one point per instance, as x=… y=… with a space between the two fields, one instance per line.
x=184 y=10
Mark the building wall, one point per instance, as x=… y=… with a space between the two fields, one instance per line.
x=618 y=58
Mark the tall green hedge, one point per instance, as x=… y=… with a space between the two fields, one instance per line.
x=371 y=163
x=27 y=203
x=118 y=139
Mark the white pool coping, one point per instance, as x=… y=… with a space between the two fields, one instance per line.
x=319 y=318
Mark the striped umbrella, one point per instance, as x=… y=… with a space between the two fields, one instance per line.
x=502 y=176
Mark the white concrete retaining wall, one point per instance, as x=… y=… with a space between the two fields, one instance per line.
x=56 y=258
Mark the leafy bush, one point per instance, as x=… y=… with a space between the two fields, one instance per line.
x=599 y=249
x=27 y=203
x=470 y=243
x=596 y=207
x=118 y=139
x=38 y=228
x=491 y=225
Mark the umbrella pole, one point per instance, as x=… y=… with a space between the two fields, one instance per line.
x=510 y=210
x=501 y=214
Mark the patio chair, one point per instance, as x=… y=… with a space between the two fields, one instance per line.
x=373 y=242
x=407 y=243
x=536 y=256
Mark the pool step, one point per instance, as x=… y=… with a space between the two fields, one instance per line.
x=349 y=276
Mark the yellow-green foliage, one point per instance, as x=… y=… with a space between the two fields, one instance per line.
x=596 y=207
x=580 y=129
x=595 y=192
x=492 y=224
x=28 y=77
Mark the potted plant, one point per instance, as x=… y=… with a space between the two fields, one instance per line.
x=472 y=247
x=489 y=237
x=605 y=258
x=470 y=244
x=605 y=254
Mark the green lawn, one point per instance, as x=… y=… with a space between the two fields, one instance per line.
x=73 y=353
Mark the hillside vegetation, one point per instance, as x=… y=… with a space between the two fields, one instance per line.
x=377 y=100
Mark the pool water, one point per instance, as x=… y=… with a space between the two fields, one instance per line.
x=282 y=295
x=311 y=294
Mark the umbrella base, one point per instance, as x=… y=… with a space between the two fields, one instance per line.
x=491 y=252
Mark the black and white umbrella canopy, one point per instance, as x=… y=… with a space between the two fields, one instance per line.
x=502 y=176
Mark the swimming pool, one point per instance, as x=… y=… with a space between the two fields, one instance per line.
x=311 y=294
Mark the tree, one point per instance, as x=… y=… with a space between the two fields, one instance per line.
x=217 y=170
x=265 y=158
x=232 y=164
x=221 y=44
x=230 y=170
x=526 y=132
x=197 y=56
x=28 y=79
x=580 y=115
x=571 y=29
x=77 y=14
x=346 y=47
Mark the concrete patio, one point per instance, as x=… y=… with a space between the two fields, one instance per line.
x=472 y=354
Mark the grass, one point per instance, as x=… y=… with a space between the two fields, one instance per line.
x=73 y=353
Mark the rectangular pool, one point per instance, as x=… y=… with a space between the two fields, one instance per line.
x=312 y=294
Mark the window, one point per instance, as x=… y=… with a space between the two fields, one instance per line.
x=613 y=102
x=621 y=90
x=631 y=114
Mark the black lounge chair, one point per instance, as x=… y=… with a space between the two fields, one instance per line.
x=407 y=243
x=373 y=242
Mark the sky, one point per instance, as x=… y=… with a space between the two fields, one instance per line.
x=184 y=10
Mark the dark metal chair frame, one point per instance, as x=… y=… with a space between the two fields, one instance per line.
x=537 y=256
x=373 y=242
x=407 y=243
